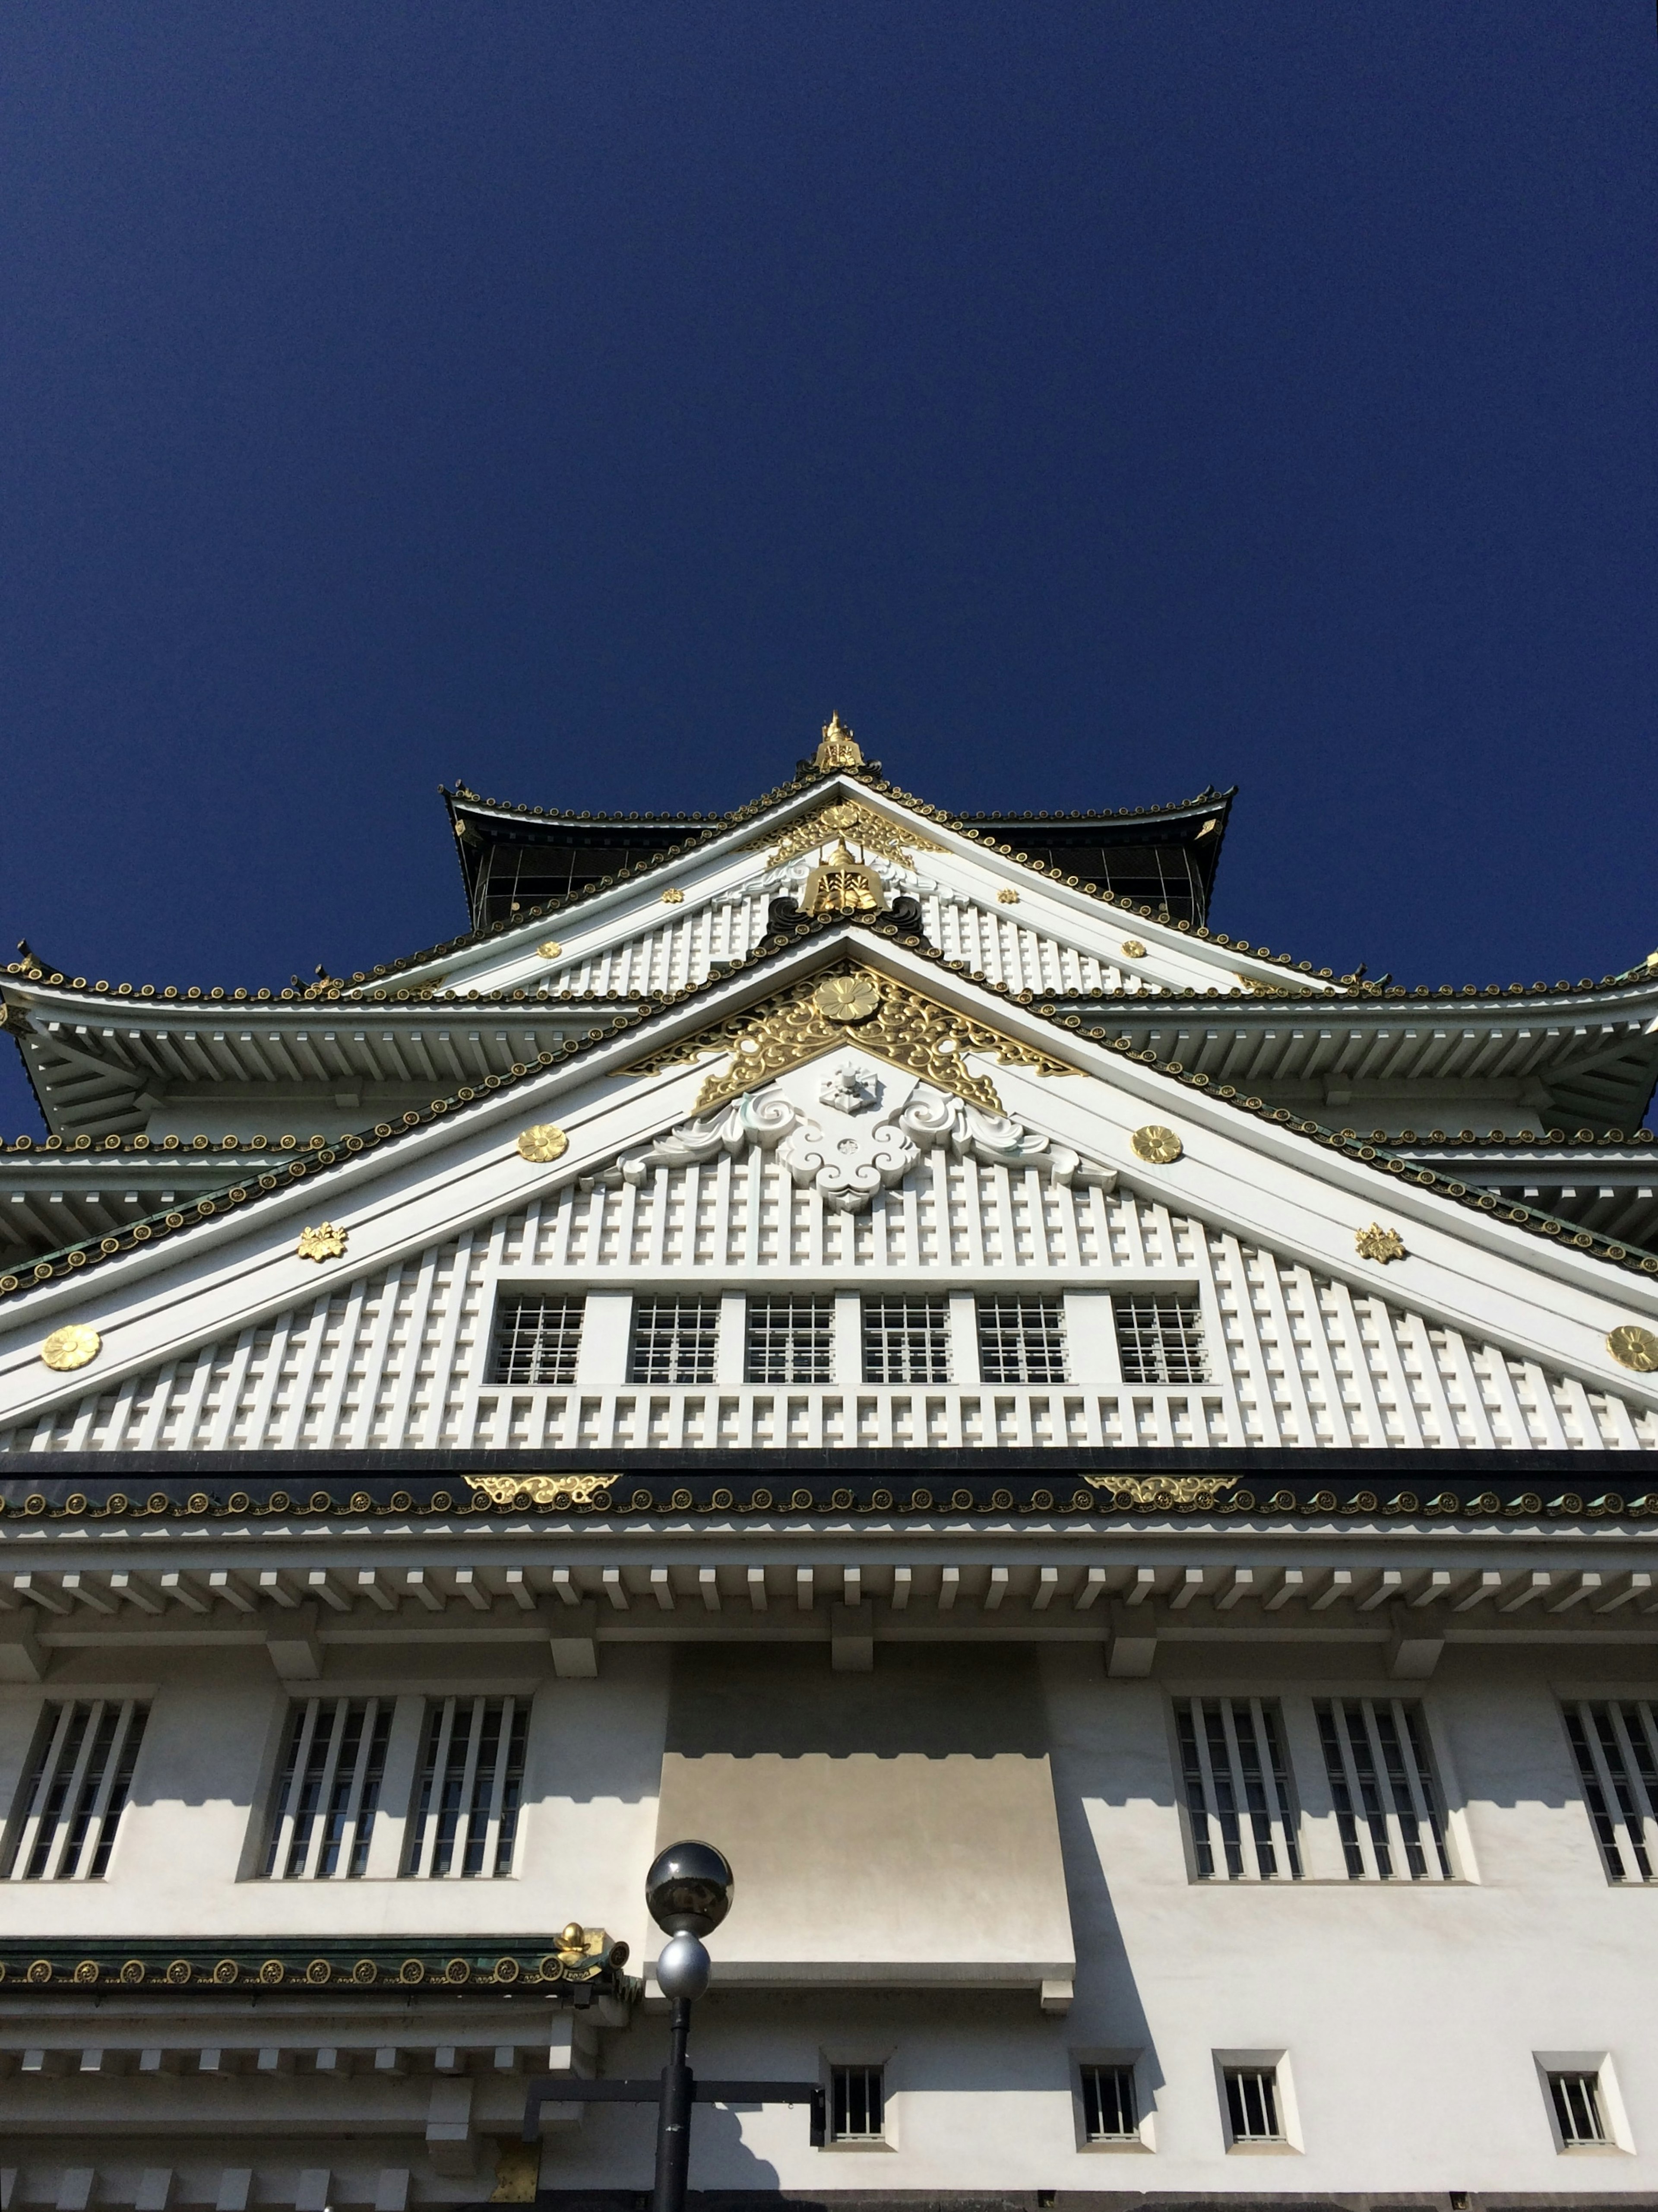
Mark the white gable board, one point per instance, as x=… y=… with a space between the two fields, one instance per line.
x=227 y=1339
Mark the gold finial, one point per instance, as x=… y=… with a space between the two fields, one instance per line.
x=840 y=749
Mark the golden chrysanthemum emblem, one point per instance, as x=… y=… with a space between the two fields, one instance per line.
x=544 y=1141
x=847 y=997
x=1633 y=1347
x=75 y=1345
x=1154 y=1143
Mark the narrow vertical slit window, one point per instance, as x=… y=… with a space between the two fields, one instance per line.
x=1252 y=2105
x=1021 y=1341
x=789 y=1341
x=471 y=1790
x=1110 y=2107
x=328 y=1788
x=906 y=1341
x=1579 y=2111
x=79 y=1778
x=1160 y=1340
x=1237 y=1782
x=859 y=2102
x=537 y=1340
x=1615 y=1744
x=1389 y=1809
x=674 y=1341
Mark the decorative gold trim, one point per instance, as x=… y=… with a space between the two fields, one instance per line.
x=1276 y=989
x=905 y=1029
x=75 y=1345
x=506 y=1489
x=325 y=1243
x=542 y=1141
x=847 y=997
x=1633 y=1347
x=1376 y=1243
x=848 y=818
x=550 y=950
x=673 y=895
x=1161 y=1146
x=840 y=749
x=1132 y=949
x=1161 y=1490
x=1009 y=897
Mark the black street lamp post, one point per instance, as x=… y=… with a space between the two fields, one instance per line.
x=689 y=1890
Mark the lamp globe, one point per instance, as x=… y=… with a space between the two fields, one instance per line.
x=689 y=1889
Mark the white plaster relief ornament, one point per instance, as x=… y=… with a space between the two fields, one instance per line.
x=833 y=1140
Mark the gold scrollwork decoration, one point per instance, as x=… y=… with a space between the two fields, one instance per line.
x=562 y=1490
x=1162 y=1490
x=324 y=1242
x=905 y=1028
x=868 y=830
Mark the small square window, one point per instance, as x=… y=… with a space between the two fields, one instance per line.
x=857 y=2105
x=906 y=1341
x=674 y=1341
x=1252 y=2105
x=790 y=1341
x=1110 y=2106
x=537 y=1340
x=1579 y=2113
x=1160 y=1340
x=1021 y=1340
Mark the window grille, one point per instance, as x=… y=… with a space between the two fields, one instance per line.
x=1616 y=1746
x=329 y=1789
x=1110 y=2108
x=471 y=1787
x=1160 y=1340
x=1237 y=1789
x=1021 y=1340
x=1251 y=2112
x=1578 y=2111
x=537 y=1340
x=790 y=1341
x=77 y=1788
x=906 y=1341
x=1381 y=1782
x=674 y=1339
x=859 y=2104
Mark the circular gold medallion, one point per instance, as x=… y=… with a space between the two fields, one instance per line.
x=1633 y=1347
x=1156 y=1144
x=550 y=950
x=1132 y=949
x=545 y=1141
x=76 y=1345
x=847 y=997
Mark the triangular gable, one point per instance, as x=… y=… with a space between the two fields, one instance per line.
x=1204 y=1158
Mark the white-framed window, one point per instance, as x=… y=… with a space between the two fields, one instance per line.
x=789 y=1341
x=1388 y=1804
x=674 y=1341
x=1579 y=2113
x=79 y=1778
x=328 y=1788
x=1615 y=1743
x=1254 y=2111
x=1160 y=1340
x=906 y=1341
x=1111 y=2109
x=469 y=1789
x=537 y=1339
x=1238 y=1799
x=857 y=2103
x=1021 y=1340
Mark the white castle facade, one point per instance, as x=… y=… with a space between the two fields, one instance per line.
x=1106 y=1468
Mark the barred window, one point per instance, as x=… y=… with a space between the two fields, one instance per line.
x=1021 y=1340
x=470 y=1788
x=1578 y=2111
x=1237 y=1789
x=328 y=1788
x=537 y=1340
x=790 y=1341
x=1110 y=2108
x=1252 y=2105
x=1160 y=1340
x=77 y=1789
x=1616 y=1745
x=1381 y=1782
x=906 y=1341
x=859 y=2104
x=674 y=1339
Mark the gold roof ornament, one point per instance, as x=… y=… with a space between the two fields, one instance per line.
x=75 y=1345
x=840 y=749
x=1633 y=1347
x=544 y=1141
x=845 y=817
x=1161 y=1146
x=841 y=885
x=1378 y=1243
x=325 y=1243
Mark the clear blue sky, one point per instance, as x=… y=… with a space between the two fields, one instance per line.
x=1093 y=401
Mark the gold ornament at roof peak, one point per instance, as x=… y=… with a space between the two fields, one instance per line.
x=841 y=885
x=845 y=817
x=840 y=749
